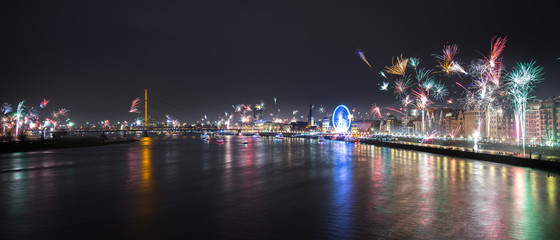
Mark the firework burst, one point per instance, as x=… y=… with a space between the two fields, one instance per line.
x=398 y=67
x=362 y=56
x=135 y=106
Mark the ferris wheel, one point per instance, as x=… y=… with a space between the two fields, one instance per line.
x=342 y=119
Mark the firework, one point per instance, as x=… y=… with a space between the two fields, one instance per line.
x=44 y=103
x=401 y=85
x=521 y=82
x=375 y=110
x=321 y=109
x=275 y=100
x=395 y=110
x=422 y=102
x=497 y=45
x=414 y=62
x=398 y=67
x=18 y=115
x=6 y=108
x=423 y=74
x=63 y=112
x=134 y=106
x=382 y=74
x=450 y=101
x=440 y=91
x=446 y=60
x=406 y=101
x=362 y=56
x=384 y=86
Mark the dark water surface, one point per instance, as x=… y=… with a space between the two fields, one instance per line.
x=178 y=186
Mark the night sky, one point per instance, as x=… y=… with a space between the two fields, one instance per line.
x=200 y=57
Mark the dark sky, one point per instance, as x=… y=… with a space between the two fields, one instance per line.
x=200 y=57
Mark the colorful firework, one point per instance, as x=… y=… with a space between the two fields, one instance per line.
x=398 y=67
x=446 y=60
x=440 y=91
x=363 y=56
x=414 y=62
x=6 y=108
x=521 y=82
x=401 y=85
x=135 y=106
x=423 y=74
x=395 y=110
x=44 y=103
x=375 y=111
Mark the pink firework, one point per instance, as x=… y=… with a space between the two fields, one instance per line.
x=395 y=110
x=134 y=106
x=494 y=61
x=406 y=101
x=247 y=108
x=449 y=52
x=422 y=98
x=375 y=110
x=63 y=112
x=450 y=101
x=44 y=103
x=401 y=85
x=497 y=46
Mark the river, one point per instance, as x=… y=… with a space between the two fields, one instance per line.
x=178 y=186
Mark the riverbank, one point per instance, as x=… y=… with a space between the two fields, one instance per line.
x=70 y=142
x=547 y=165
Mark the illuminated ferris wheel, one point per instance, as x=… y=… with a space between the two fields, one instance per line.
x=342 y=119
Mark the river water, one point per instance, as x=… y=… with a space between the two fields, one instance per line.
x=177 y=186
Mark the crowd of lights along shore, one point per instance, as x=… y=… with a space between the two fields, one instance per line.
x=485 y=85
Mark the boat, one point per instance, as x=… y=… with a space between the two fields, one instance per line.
x=350 y=139
x=205 y=137
x=279 y=136
x=321 y=139
x=220 y=140
x=255 y=135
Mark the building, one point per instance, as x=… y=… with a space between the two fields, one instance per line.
x=533 y=122
x=310 y=119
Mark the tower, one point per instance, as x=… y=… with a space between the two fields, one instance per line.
x=310 y=119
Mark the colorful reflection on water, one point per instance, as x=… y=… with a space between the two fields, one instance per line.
x=168 y=185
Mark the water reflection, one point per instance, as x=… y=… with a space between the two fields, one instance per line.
x=271 y=189
x=143 y=200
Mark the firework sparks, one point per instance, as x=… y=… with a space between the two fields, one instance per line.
x=450 y=101
x=363 y=56
x=321 y=109
x=395 y=110
x=6 y=108
x=44 y=103
x=440 y=91
x=406 y=101
x=135 y=106
x=375 y=111
x=384 y=86
x=382 y=74
x=521 y=81
x=398 y=67
x=423 y=74
x=446 y=60
x=401 y=85
x=63 y=112
x=414 y=62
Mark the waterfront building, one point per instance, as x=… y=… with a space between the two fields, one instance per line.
x=310 y=119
